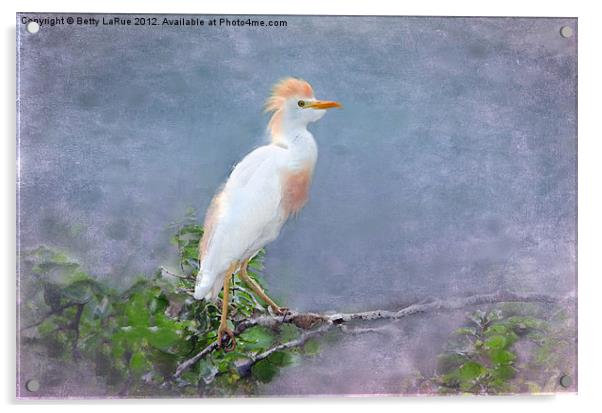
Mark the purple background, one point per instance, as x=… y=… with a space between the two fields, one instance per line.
x=450 y=170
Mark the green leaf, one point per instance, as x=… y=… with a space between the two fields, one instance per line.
x=496 y=329
x=288 y=332
x=281 y=358
x=190 y=377
x=136 y=311
x=522 y=323
x=47 y=326
x=116 y=349
x=162 y=338
x=138 y=363
x=503 y=372
x=311 y=347
x=256 y=338
x=449 y=362
x=264 y=371
x=496 y=342
x=470 y=371
x=52 y=296
x=77 y=294
x=500 y=356
x=207 y=371
x=465 y=331
x=131 y=334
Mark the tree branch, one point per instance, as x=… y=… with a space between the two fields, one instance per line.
x=75 y=327
x=315 y=324
x=49 y=314
x=185 y=365
x=173 y=274
x=244 y=366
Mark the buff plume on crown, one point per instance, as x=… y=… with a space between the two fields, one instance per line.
x=281 y=91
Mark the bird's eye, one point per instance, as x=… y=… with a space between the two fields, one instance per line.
x=301 y=103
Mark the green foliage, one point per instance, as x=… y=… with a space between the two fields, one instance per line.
x=482 y=357
x=136 y=338
x=266 y=369
x=133 y=340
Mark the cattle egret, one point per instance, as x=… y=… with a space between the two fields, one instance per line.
x=269 y=185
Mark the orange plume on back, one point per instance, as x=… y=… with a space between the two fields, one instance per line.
x=281 y=91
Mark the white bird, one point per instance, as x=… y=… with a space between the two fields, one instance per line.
x=269 y=185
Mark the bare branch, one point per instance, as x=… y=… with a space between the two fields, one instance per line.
x=449 y=304
x=56 y=311
x=359 y=330
x=75 y=328
x=315 y=324
x=166 y=271
x=191 y=361
x=244 y=367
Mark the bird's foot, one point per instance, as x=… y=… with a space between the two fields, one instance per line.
x=280 y=310
x=227 y=343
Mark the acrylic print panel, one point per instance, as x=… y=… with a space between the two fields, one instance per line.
x=430 y=248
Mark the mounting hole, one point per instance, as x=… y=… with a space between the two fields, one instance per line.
x=32 y=385
x=32 y=27
x=566 y=32
x=566 y=381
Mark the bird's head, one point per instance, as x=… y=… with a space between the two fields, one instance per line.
x=293 y=105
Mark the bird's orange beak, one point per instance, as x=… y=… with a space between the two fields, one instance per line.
x=324 y=104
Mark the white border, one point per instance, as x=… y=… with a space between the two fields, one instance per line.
x=590 y=205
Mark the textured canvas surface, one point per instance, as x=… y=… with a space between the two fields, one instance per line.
x=450 y=172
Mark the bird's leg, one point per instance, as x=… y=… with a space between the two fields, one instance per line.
x=258 y=290
x=223 y=325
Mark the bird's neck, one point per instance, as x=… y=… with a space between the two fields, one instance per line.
x=302 y=150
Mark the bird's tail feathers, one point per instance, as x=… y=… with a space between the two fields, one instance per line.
x=206 y=286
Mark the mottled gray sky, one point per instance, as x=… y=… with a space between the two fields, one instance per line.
x=450 y=170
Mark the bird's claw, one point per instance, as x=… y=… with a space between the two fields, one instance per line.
x=280 y=310
x=228 y=344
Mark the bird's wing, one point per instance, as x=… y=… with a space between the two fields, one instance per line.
x=246 y=214
x=253 y=192
x=253 y=164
